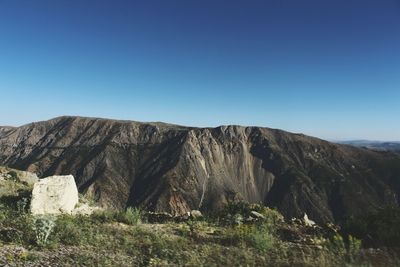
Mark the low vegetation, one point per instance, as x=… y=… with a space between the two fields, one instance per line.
x=124 y=238
x=239 y=235
x=377 y=228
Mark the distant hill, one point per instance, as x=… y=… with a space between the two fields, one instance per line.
x=172 y=168
x=374 y=145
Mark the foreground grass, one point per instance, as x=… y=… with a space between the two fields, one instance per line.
x=123 y=239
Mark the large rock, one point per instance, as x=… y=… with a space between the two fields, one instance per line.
x=54 y=195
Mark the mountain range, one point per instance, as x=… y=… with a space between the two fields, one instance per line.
x=375 y=145
x=171 y=168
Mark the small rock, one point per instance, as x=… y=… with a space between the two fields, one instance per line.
x=257 y=215
x=307 y=221
x=196 y=214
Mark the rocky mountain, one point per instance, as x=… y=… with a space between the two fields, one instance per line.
x=171 y=168
x=5 y=129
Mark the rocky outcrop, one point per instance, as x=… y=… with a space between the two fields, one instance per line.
x=177 y=169
x=27 y=178
x=54 y=195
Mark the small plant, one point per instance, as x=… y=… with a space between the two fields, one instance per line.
x=376 y=228
x=349 y=250
x=131 y=216
x=237 y=219
x=184 y=230
x=13 y=176
x=258 y=236
x=194 y=228
x=69 y=230
x=22 y=205
x=354 y=248
x=103 y=216
x=43 y=226
x=236 y=213
x=337 y=245
x=262 y=238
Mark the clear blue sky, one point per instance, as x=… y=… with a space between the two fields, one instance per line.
x=325 y=68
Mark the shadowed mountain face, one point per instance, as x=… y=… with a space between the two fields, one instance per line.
x=171 y=168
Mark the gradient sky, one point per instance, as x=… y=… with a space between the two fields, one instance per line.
x=325 y=68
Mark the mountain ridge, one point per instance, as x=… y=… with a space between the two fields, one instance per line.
x=393 y=146
x=173 y=168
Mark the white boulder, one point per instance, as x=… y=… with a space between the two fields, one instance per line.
x=54 y=195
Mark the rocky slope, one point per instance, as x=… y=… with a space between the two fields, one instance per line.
x=172 y=168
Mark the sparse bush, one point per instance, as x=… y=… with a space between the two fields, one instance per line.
x=236 y=213
x=14 y=226
x=103 y=216
x=377 y=228
x=69 y=230
x=43 y=226
x=344 y=249
x=353 y=248
x=23 y=205
x=259 y=236
x=13 y=175
x=236 y=219
x=336 y=245
x=131 y=216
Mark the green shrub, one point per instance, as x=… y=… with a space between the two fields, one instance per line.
x=344 y=249
x=15 y=227
x=69 y=230
x=353 y=248
x=258 y=236
x=235 y=213
x=23 y=205
x=131 y=216
x=377 y=228
x=261 y=238
x=103 y=216
x=336 y=245
x=43 y=227
x=13 y=176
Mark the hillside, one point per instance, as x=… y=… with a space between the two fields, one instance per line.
x=240 y=234
x=173 y=168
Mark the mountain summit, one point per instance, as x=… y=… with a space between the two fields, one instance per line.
x=172 y=168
